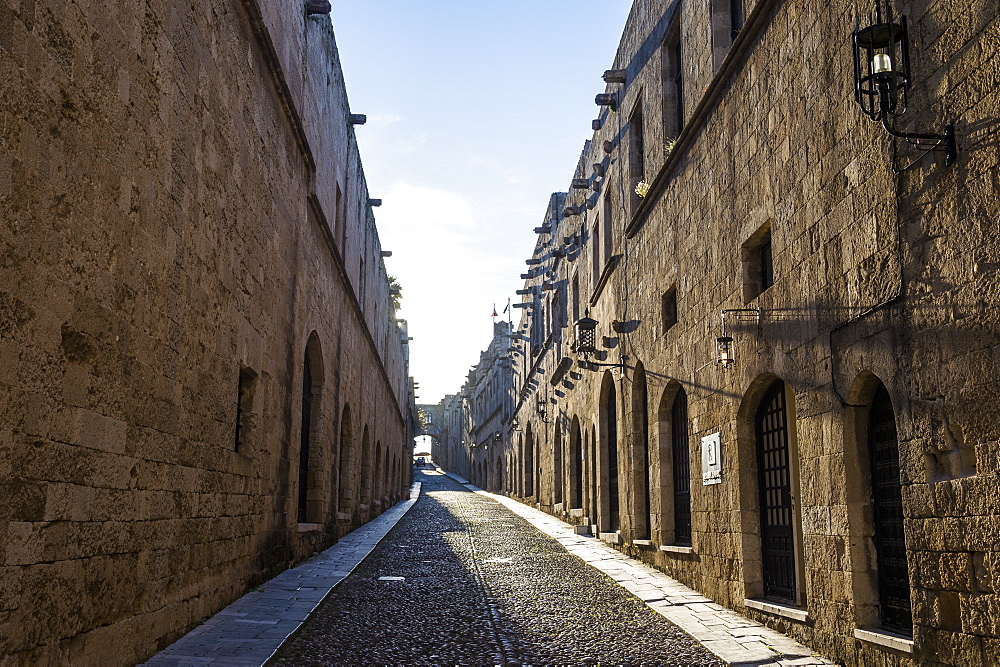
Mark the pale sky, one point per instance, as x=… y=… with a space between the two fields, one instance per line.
x=477 y=112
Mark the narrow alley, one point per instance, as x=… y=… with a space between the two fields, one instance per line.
x=480 y=585
x=458 y=576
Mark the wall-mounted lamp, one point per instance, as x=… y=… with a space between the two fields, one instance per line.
x=540 y=402
x=585 y=329
x=724 y=357
x=882 y=81
x=724 y=351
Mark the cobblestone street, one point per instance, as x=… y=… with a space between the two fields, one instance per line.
x=480 y=585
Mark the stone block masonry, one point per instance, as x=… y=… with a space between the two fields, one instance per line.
x=837 y=480
x=201 y=376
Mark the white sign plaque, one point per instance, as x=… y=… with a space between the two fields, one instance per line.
x=711 y=459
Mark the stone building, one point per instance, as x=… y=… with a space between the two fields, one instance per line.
x=201 y=377
x=449 y=450
x=491 y=399
x=783 y=391
x=475 y=424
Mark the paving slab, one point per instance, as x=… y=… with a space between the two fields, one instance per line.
x=717 y=628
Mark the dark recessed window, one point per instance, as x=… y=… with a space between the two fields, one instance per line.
x=735 y=18
x=758 y=263
x=244 y=406
x=669 y=308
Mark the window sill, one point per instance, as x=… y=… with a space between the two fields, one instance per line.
x=344 y=516
x=642 y=543
x=310 y=527
x=777 y=609
x=885 y=639
x=676 y=549
x=611 y=538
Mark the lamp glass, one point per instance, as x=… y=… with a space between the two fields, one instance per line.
x=724 y=351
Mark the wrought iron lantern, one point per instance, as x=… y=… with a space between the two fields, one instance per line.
x=724 y=357
x=724 y=351
x=882 y=81
x=586 y=335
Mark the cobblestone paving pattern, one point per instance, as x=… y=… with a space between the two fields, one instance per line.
x=482 y=586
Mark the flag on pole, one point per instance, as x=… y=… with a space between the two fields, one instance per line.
x=505 y=309
x=495 y=310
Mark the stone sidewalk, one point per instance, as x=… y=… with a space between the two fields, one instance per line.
x=251 y=629
x=732 y=637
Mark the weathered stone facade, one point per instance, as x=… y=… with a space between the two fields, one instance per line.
x=192 y=294
x=862 y=307
x=473 y=428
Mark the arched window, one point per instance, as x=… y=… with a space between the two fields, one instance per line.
x=681 y=469
x=640 y=453
x=774 y=475
x=887 y=504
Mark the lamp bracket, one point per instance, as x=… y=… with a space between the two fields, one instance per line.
x=743 y=315
x=924 y=142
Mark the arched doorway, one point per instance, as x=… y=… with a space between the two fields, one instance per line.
x=575 y=467
x=346 y=493
x=776 y=487
x=557 y=465
x=312 y=388
x=609 y=485
x=887 y=504
x=529 y=464
x=642 y=520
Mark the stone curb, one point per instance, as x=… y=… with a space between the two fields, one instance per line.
x=251 y=630
x=732 y=637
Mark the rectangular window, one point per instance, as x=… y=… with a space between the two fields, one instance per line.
x=636 y=153
x=340 y=221
x=758 y=263
x=595 y=254
x=669 y=308
x=244 y=406
x=673 y=83
x=576 y=298
x=736 y=18
x=609 y=229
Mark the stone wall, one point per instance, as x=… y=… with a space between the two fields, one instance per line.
x=878 y=279
x=184 y=227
